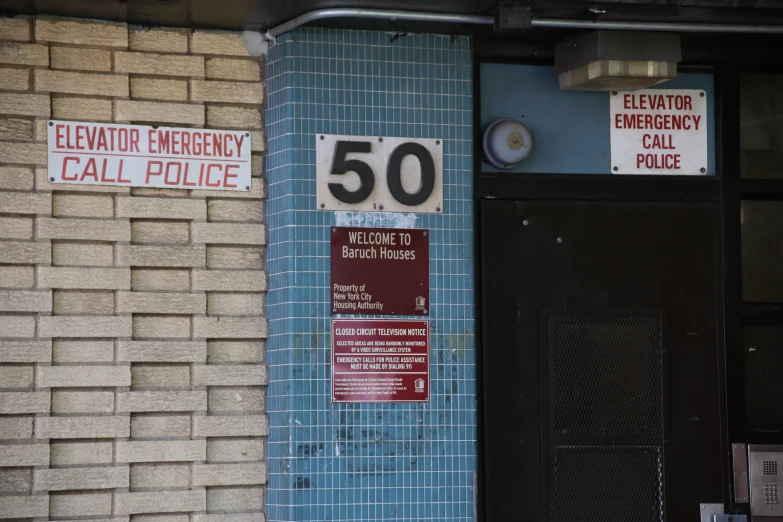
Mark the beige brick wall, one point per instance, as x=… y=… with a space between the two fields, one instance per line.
x=132 y=372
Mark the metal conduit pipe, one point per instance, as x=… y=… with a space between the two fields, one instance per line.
x=413 y=16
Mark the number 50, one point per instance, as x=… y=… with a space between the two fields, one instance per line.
x=381 y=166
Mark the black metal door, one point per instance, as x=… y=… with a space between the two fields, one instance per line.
x=600 y=361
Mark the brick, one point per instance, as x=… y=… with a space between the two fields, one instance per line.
x=230 y=375
x=158 y=89
x=231 y=426
x=16 y=178
x=26 y=153
x=16 y=228
x=235 y=210
x=161 y=451
x=15 y=29
x=235 y=400
x=82 y=402
x=16 y=377
x=162 y=256
x=82 y=427
x=229 y=327
x=115 y=519
x=67 y=302
x=229 y=517
x=162 y=351
x=80 y=59
x=234 y=257
x=256 y=165
x=160 y=502
x=82 y=205
x=161 y=518
x=160 y=232
x=82 y=254
x=20 y=203
x=162 y=401
x=24 y=252
x=162 y=280
x=81 y=109
x=234 y=450
x=235 y=499
x=15 y=480
x=81 y=32
x=85 y=326
x=160 y=476
x=81 y=453
x=16 y=427
x=16 y=129
x=24 y=402
x=84 y=278
x=227 y=92
x=25 y=351
x=257 y=191
x=85 y=229
x=160 y=303
x=83 y=376
x=16 y=326
x=219 y=303
x=159 y=64
x=257 y=141
x=25 y=301
x=81 y=83
x=159 y=112
x=41 y=132
x=81 y=351
x=81 y=478
x=25 y=104
x=160 y=208
x=233 y=69
x=235 y=351
x=24 y=506
x=162 y=40
x=211 y=42
x=151 y=327
x=229 y=474
x=160 y=426
x=25 y=455
x=17 y=276
x=156 y=377
x=234 y=117
x=24 y=54
x=230 y=280
x=159 y=192
x=80 y=505
x=44 y=185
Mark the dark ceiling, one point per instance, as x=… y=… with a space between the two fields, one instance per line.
x=262 y=14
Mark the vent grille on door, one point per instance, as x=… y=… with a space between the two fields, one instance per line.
x=604 y=388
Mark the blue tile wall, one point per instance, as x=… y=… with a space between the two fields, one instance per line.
x=367 y=462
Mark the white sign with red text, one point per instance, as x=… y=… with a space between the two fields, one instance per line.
x=659 y=131
x=142 y=156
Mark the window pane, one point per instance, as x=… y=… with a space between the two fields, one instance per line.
x=761 y=126
x=762 y=251
x=763 y=376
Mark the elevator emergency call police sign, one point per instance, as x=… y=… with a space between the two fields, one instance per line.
x=659 y=131
x=142 y=156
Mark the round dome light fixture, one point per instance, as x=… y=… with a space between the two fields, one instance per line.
x=506 y=143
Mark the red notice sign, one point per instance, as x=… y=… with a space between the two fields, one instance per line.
x=384 y=360
x=380 y=271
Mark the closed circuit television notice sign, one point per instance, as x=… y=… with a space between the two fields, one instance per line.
x=384 y=360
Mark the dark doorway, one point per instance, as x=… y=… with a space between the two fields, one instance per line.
x=601 y=361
